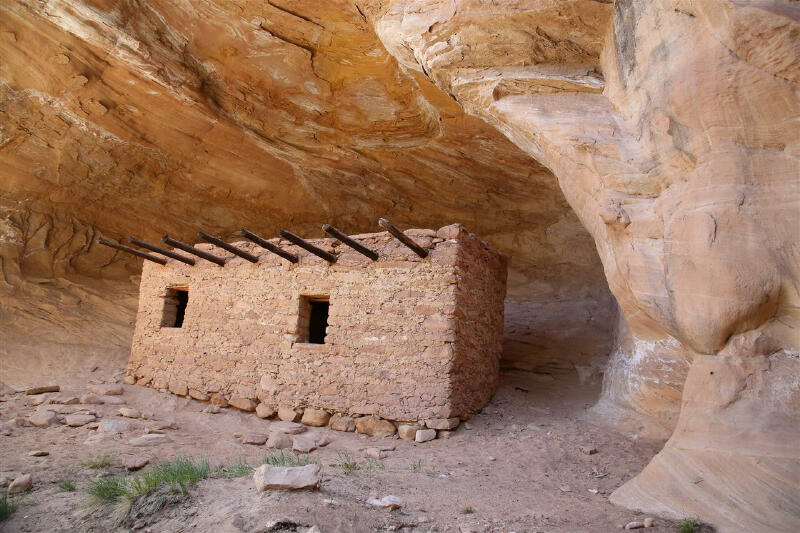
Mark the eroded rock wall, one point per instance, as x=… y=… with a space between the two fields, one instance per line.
x=673 y=129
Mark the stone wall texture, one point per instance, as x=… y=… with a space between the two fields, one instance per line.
x=407 y=338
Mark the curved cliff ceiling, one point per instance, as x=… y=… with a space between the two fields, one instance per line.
x=145 y=118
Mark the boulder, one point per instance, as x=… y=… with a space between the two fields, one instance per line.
x=315 y=417
x=303 y=444
x=287 y=477
x=442 y=423
x=136 y=463
x=105 y=389
x=342 y=423
x=129 y=412
x=198 y=395
x=244 y=404
x=79 y=419
x=279 y=441
x=424 y=435
x=374 y=426
x=264 y=411
x=254 y=438
x=151 y=439
x=42 y=389
x=408 y=431
x=91 y=399
x=43 y=419
x=20 y=484
x=289 y=414
x=114 y=426
x=289 y=428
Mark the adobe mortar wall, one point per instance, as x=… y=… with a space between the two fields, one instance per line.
x=408 y=338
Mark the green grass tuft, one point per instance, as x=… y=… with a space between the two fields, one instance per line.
x=107 y=489
x=66 y=485
x=7 y=507
x=288 y=459
x=347 y=463
x=416 y=466
x=467 y=510
x=688 y=525
x=238 y=469
x=101 y=461
x=373 y=464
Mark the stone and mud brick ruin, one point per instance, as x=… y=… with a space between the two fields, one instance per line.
x=401 y=337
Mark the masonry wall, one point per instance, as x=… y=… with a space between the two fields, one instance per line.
x=407 y=339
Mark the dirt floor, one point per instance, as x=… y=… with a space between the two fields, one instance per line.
x=518 y=465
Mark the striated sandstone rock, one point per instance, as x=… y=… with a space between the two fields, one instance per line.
x=112 y=389
x=315 y=417
x=342 y=423
x=289 y=414
x=264 y=411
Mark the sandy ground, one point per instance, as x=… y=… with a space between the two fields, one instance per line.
x=518 y=465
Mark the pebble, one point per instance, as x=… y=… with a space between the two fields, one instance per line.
x=588 y=450
x=375 y=453
x=38 y=453
x=636 y=524
x=105 y=389
x=129 y=412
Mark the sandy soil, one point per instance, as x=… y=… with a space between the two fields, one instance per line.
x=518 y=464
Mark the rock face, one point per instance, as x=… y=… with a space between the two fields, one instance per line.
x=654 y=116
x=668 y=126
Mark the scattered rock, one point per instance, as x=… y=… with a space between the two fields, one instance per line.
x=5 y=431
x=136 y=463
x=287 y=477
x=649 y=522
x=92 y=425
x=91 y=399
x=37 y=400
x=588 y=450
x=244 y=404
x=315 y=417
x=443 y=423
x=152 y=439
x=320 y=439
x=636 y=524
x=289 y=428
x=219 y=400
x=110 y=389
x=375 y=453
x=279 y=441
x=43 y=419
x=289 y=414
x=42 y=389
x=38 y=453
x=130 y=380
x=20 y=484
x=212 y=409
x=374 y=426
x=164 y=424
x=408 y=431
x=112 y=400
x=63 y=399
x=342 y=423
x=129 y=412
x=257 y=439
x=114 y=426
x=178 y=388
x=387 y=502
x=264 y=411
x=303 y=444
x=79 y=419
x=424 y=435
x=198 y=395
x=565 y=488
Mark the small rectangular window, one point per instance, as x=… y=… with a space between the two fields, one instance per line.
x=313 y=320
x=175 y=301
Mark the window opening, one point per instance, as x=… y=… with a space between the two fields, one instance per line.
x=314 y=319
x=175 y=302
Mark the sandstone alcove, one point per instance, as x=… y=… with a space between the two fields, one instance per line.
x=636 y=160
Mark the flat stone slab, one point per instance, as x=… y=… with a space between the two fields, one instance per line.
x=42 y=389
x=112 y=389
x=254 y=438
x=151 y=439
x=78 y=419
x=287 y=477
x=288 y=428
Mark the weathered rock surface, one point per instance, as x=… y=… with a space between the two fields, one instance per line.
x=20 y=484
x=111 y=389
x=42 y=389
x=315 y=417
x=150 y=439
x=374 y=426
x=342 y=423
x=43 y=419
x=79 y=419
x=287 y=477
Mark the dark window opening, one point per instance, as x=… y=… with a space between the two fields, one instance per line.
x=175 y=302
x=314 y=319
